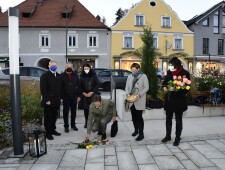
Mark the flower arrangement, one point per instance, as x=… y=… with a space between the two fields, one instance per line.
x=91 y=144
x=179 y=83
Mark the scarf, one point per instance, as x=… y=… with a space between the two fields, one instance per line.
x=70 y=75
x=177 y=71
x=136 y=76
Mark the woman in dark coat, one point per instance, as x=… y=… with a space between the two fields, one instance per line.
x=89 y=86
x=175 y=101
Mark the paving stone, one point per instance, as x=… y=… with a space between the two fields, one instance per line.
x=211 y=168
x=12 y=160
x=188 y=164
x=123 y=148
x=217 y=144
x=44 y=167
x=71 y=168
x=209 y=151
x=74 y=158
x=111 y=168
x=25 y=166
x=170 y=145
x=9 y=165
x=53 y=156
x=31 y=161
x=94 y=166
x=198 y=143
x=142 y=155
x=185 y=146
x=8 y=168
x=198 y=158
x=181 y=156
x=177 y=150
x=159 y=150
x=219 y=163
x=95 y=155
x=110 y=151
x=110 y=160
x=148 y=167
x=168 y=162
x=126 y=161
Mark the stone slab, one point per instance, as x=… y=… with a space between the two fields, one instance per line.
x=168 y=162
x=44 y=167
x=142 y=155
x=95 y=155
x=123 y=148
x=148 y=167
x=188 y=164
x=217 y=144
x=53 y=156
x=25 y=166
x=181 y=156
x=110 y=160
x=159 y=150
x=94 y=166
x=111 y=168
x=198 y=158
x=175 y=150
x=110 y=151
x=209 y=151
x=211 y=168
x=185 y=146
x=126 y=161
x=74 y=158
x=220 y=163
x=71 y=168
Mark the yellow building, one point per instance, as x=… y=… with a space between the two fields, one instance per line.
x=171 y=36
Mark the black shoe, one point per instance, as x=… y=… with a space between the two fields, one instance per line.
x=49 y=137
x=166 y=139
x=85 y=125
x=103 y=136
x=67 y=130
x=139 y=138
x=176 y=142
x=99 y=133
x=74 y=128
x=56 y=133
x=135 y=133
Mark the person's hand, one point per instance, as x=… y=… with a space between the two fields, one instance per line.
x=61 y=101
x=164 y=88
x=48 y=103
x=90 y=94
x=85 y=94
x=114 y=118
x=86 y=140
x=78 y=99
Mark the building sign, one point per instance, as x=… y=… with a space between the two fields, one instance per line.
x=4 y=59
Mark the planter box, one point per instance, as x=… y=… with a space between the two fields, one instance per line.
x=193 y=111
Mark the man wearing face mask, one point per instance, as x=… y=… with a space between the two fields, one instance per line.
x=50 y=86
x=175 y=101
x=70 y=89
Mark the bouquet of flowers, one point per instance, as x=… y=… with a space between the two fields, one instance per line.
x=179 y=83
x=90 y=144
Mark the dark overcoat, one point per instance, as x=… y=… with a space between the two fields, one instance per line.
x=175 y=101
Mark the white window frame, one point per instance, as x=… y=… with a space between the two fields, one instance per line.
x=76 y=40
x=45 y=36
x=157 y=42
x=170 y=24
x=97 y=40
x=132 y=41
x=178 y=38
x=139 y=24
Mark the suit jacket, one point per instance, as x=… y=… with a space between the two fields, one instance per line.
x=142 y=85
x=175 y=101
x=50 y=86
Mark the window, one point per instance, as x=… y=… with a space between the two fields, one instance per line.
x=92 y=40
x=139 y=20
x=223 y=22
x=216 y=22
x=44 y=40
x=220 y=47
x=205 y=46
x=166 y=22
x=178 y=44
x=72 y=41
x=128 y=41
x=155 y=42
x=206 y=22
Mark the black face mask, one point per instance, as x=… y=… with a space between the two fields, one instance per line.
x=69 y=70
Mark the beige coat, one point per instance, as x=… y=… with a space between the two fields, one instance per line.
x=142 y=85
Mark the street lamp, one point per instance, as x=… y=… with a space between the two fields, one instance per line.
x=66 y=31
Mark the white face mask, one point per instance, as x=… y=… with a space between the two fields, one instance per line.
x=86 y=71
x=171 y=68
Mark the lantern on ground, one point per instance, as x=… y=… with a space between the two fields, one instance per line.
x=37 y=143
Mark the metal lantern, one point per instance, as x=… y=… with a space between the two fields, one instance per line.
x=37 y=143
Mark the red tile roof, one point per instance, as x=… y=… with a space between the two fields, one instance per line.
x=48 y=14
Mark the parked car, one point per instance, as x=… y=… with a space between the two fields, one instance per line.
x=119 y=76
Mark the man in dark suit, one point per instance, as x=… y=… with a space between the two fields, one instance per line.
x=70 y=89
x=50 y=85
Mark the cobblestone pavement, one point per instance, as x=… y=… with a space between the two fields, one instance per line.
x=206 y=151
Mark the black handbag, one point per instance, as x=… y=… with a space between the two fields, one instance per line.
x=114 y=128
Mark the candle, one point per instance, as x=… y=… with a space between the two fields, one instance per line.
x=35 y=145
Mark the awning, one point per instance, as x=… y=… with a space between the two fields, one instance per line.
x=220 y=59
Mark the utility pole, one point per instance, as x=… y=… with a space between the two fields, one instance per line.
x=66 y=32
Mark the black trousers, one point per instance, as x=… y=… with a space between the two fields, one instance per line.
x=69 y=103
x=138 y=120
x=86 y=113
x=179 y=123
x=50 y=117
